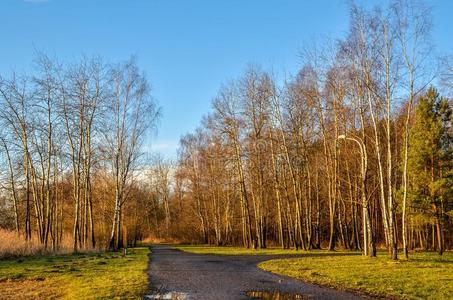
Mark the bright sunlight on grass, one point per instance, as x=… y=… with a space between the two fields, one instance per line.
x=424 y=276
x=203 y=249
x=82 y=276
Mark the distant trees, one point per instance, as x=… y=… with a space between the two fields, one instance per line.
x=160 y=177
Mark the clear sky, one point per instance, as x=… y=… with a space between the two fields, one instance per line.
x=188 y=48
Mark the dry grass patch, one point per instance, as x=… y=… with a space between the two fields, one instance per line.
x=12 y=245
x=28 y=289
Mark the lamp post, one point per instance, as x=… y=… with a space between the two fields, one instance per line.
x=367 y=234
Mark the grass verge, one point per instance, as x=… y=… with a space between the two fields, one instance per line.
x=227 y=250
x=79 y=276
x=423 y=276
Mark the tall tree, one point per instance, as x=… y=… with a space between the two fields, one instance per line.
x=430 y=163
x=131 y=112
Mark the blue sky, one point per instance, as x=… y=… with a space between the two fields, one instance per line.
x=187 y=48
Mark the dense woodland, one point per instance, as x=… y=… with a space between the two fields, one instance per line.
x=355 y=151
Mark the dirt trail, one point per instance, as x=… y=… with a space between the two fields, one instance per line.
x=199 y=276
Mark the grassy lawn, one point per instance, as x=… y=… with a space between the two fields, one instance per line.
x=81 y=276
x=423 y=276
x=202 y=249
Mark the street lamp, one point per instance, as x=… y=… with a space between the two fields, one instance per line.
x=367 y=235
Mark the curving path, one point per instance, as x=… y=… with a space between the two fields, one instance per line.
x=175 y=274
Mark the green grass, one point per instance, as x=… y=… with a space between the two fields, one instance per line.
x=226 y=250
x=423 y=276
x=81 y=276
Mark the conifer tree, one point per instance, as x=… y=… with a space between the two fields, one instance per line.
x=430 y=161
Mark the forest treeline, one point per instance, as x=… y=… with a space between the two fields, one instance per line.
x=355 y=151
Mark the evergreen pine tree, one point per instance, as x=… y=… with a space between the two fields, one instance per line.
x=430 y=161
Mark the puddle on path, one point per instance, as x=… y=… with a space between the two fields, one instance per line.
x=276 y=295
x=168 y=296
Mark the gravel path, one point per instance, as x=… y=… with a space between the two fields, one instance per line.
x=175 y=274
